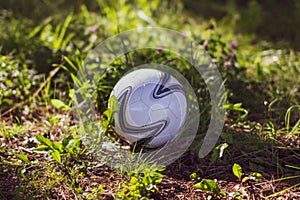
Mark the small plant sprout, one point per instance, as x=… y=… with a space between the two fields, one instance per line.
x=210 y=186
x=238 y=172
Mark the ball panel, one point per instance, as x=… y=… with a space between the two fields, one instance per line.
x=157 y=112
x=137 y=114
x=136 y=95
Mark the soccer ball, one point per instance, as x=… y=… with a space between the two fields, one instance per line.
x=152 y=107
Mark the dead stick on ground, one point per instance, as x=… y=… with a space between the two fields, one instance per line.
x=51 y=74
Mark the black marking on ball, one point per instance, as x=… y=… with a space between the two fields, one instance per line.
x=161 y=91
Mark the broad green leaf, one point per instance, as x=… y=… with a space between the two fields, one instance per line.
x=246 y=178
x=133 y=180
x=70 y=150
x=23 y=157
x=107 y=113
x=223 y=193
x=56 y=103
x=237 y=170
x=256 y=175
x=44 y=141
x=56 y=156
x=41 y=147
x=58 y=146
x=113 y=104
x=193 y=176
x=208 y=185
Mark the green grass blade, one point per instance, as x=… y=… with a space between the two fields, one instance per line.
x=282 y=191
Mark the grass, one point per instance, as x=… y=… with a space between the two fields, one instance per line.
x=43 y=151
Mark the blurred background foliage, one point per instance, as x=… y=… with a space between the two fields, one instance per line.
x=254 y=43
x=276 y=21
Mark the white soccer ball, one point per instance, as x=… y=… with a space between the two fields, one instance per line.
x=152 y=107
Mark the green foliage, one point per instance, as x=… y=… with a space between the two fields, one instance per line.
x=113 y=106
x=194 y=177
x=218 y=152
x=23 y=157
x=292 y=125
x=56 y=103
x=224 y=53
x=254 y=17
x=237 y=170
x=141 y=184
x=210 y=186
x=57 y=39
x=8 y=131
x=289 y=177
x=95 y=192
x=71 y=146
x=56 y=156
x=16 y=81
x=238 y=109
x=296 y=127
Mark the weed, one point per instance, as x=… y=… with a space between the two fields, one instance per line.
x=296 y=127
x=9 y=131
x=71 y=146
x=208 y=185
x=141 y=184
